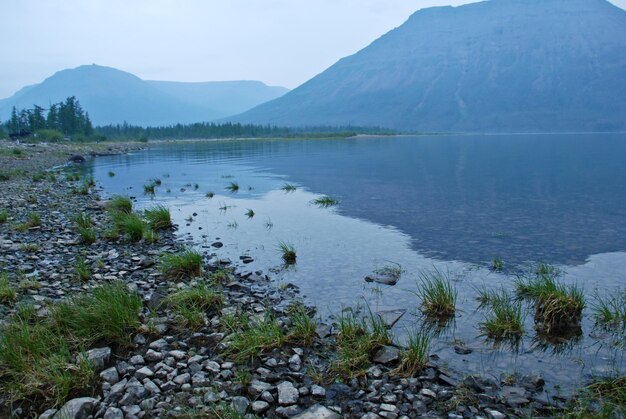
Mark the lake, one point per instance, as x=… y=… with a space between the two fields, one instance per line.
x=452 y=203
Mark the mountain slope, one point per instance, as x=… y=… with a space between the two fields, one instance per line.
x=495 y=66
x=114 y=96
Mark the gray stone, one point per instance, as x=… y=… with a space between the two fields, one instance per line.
x=113 y=413
x=153 y=356
x=323 y=330
x=151 y=386
x=240 y=404
x=137 y=360
x=317 y=411
x=159 y=345
x=200 y=379
x=383 y=277
x=318 y=391
x=211 y=397
x=494 y=414
x=182 y=379
x=370 y=415
x=461 y=349
x=79 y=408
x=144 y=372
x=389 y=407
x=257 y=387
x=426 y=392
x=287 y=411
x=260 y=407
x=287 y=393
x=48 y=414
x=110 y=375
x=99 y=357
x=391 y=317
x=178 y=355
x=295 y=364
x=386 y=355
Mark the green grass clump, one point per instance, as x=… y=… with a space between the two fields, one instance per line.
x=111 y=173
x=7 y=293
x=82 y=220
x=497 y=265
x=303 y=327
x=33 y=220
x=130 y=224
x=185 y=264
x=438 y=294
x=29 y=247
x=120 y=203
x=357 y=340
x=610 y=311
x=505 y=320
x=558 y=307
x=210 y=195
x=159 y=218
x=250 y=213
x=192 y=303
x=254 y=339
x=110 y=314
x=87 y=235
x=288 y=252
x=4 y=216
x=414 y=358
x=149 y=188
x=36 y=363
x=82 y=270
x=325 y=201
x=232 y=187
x=289 y=187
x=39 y=176
x=604 y=398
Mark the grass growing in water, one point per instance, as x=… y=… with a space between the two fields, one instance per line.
x=288 y=252
x=505 y=319
x=497 y=265
x=120 y=203
x=414 y=358
x=250 y=213
x=109 y=314
x=210 y=195
x=558 y=307
x=159 y=218
x=358 y=339
x=610 y=311
x=149 y=188
x=254 y=339
x=7 y=293
x=185 y=264
x=111 y=173
x=325 y=201
x=82 y=270
x=437 y=293
x=289 y=187
x=232 y=187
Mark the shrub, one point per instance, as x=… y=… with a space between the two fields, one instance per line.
x=49 y=135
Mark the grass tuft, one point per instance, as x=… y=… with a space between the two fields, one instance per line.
x=254 y=339
x=82 y=270
x=4 y=216
x=109 y=314
x=7 y=293
x=325 y=201
x=288 y=252
x=289 y=187
x=159 y=218
x=232 y=187
x=438 y=294
x=185 y=264
x=505 y=320
x=497 y=265
x=192 y=303
x=414 y=358
x=210 y=195
x=610 y=311
x=130 y=224
x=303 y=327
x=120 y=203
x=250 y=213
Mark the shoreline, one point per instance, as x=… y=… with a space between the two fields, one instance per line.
x=171 y=368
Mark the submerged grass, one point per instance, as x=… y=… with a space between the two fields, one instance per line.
x=185 y=264
x=288 y=252
x=325 y=201
x=232 y=187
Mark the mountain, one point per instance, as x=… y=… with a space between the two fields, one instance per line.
x=494 y=66
x=114 y=96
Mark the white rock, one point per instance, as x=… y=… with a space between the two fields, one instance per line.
x=287 y=393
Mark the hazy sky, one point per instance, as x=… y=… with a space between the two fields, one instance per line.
x=280 y=42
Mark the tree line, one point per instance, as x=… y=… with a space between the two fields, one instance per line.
x=66 y=118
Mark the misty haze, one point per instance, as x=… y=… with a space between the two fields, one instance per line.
x=280 y=209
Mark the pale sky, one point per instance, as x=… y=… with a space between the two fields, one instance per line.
x=280 y=42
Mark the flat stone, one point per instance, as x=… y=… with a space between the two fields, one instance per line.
x=323 y=330
x=494 y=414
x=144 y=372
x=287 y=411
x=426 y=392
x=462 y=349
x=318 y=391
x=386 y=355
x=317 y=411
x=159 y=345
x=182 y=379
x=79 y=408
x=257 y=387
x=389 y=407
x=240 y=404
x=287 y=393
x=391 y=317
x=153 y=356
x=110 y=375
x=385 y=278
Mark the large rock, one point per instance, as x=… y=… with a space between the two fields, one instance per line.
x=391 y=317
x=386 y=355
x=99 y=357
x=79 y=408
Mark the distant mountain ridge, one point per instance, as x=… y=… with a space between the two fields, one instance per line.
x=114 y=96
x=494 y=66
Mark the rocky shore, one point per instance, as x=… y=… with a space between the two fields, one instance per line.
x=174 y=370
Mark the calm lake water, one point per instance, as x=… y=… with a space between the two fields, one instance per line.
x=446 y=202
